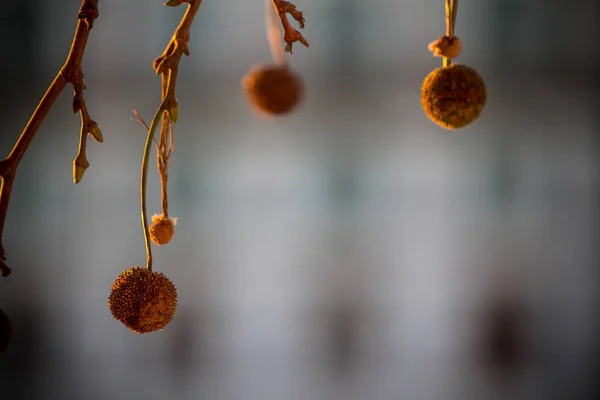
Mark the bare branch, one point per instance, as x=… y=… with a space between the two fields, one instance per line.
x=70 y=73
x=291 y=35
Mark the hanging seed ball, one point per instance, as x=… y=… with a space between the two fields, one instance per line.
x=142 y=300
x=453 y=96
x=6 y=331
x=162 y=229
x=273 y=89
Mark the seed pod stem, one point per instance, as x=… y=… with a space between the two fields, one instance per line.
x=144 y=182
x=451 y=12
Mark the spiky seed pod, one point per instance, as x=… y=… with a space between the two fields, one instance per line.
x=273 y=89
x=142 y=300
x=453 y=96
x=162 y=229
x=6 y=331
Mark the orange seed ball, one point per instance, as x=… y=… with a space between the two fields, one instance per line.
x=273 y=89
x=453 y=96
x=6 y=331
x=142 y=300
x=162 y=229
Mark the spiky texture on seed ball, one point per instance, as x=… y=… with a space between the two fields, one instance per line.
x=273 y=89
x=162 y=229
x=142 y=300
x=6 y=331
x=453 y=96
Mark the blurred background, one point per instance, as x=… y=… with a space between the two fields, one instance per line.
x=353 y=250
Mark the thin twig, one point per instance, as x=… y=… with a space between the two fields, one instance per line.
x=291 y=35
x=71 y=72
x=139 y=118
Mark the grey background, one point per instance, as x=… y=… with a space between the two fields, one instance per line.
x=352 y=250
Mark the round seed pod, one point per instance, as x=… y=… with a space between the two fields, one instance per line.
x=162 y=229
x=273 y=89
x=142 y=300
x=6 y=331
x=453 y=96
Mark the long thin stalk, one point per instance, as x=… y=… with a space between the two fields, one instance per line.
x=144 y=182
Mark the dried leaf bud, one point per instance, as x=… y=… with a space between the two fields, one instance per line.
x=95 y=131
x=142 y=300
x=6 y=331
x=273 y=90
x=446 y=46
x=453 y=96
x=162 y=229
x=80 y=164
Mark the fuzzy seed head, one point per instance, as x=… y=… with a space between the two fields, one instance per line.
x=142 y=300
x=162 y=229
x=445 y=46
x=6 y=331
x=273 y=90
x=453 y=96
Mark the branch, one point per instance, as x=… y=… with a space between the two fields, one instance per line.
x=71 y=72
x=167 y=65
x=290 y=35
x=168 y=61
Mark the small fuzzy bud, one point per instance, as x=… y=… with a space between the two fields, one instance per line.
x=445 y=46
x=162 y=229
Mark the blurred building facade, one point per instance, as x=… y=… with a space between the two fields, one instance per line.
x=353 y=250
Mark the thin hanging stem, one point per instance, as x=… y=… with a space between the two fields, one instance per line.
x=451 y=12
x=144 y=181
x=274 y=34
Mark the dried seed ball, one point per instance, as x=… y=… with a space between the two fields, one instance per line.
x=6 y=331
x=162 y=229
x=273 y=89
x=453 y=96
x=142 y=300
